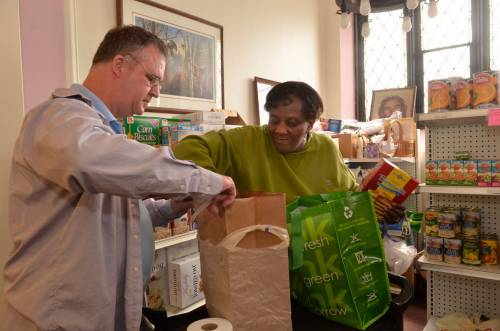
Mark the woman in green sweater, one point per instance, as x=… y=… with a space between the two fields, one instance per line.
x=283 y=156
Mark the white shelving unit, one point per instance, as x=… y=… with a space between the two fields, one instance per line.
x=462 y=288
x=174 y=240
x=491 y=272
x=172 y=311
x=169 y=242
x=450 y=118
x=472 y=190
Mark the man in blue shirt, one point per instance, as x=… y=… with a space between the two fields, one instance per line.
x=76 y=218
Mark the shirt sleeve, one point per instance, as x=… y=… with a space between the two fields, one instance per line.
x=160 y=211
x=69 y=145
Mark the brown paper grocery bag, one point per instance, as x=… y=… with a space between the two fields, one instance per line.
x=244 y=261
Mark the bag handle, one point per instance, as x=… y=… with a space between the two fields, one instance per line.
x=233 y=239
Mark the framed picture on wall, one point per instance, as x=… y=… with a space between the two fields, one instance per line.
x=386 y=102
x=262 y=87
x=194 y=72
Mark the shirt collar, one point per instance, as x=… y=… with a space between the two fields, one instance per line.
x=96 y=102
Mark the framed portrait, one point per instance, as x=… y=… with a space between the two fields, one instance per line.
x=262 y=87
x=386 y=102
x=193 y=78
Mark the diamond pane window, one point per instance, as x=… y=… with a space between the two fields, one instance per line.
x=495 y=34
x=385 y=54
x=451 y=27
x=446 y=41
x=446 y=63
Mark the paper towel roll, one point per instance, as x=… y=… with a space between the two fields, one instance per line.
x=211 y=324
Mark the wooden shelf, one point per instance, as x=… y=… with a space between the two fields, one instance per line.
x=474 y=190
x=174 y=240
x=491 y=272
x=453 y=117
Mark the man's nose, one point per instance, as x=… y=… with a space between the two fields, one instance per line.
x=155 y=90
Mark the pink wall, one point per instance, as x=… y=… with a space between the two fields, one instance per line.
x=347 y=71
x=42 y=48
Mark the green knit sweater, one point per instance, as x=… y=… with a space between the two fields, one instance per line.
x=247 y=154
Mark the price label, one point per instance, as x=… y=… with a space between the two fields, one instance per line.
x=494 y=117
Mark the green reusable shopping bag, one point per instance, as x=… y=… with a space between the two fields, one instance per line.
x=337 y=264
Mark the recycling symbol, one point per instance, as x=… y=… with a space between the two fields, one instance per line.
x=347 y=212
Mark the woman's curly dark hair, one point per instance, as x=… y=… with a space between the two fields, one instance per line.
x=312 y=105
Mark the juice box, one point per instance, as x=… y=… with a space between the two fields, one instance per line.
x=144 y=129
x=431 y=172
x=484 y=172
x=470 y=168
x=456 y=172
x=495 y=173
x=444 y=172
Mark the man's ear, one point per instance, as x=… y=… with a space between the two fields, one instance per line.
x=117 y=65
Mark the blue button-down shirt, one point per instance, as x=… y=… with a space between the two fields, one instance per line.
x=147 y=242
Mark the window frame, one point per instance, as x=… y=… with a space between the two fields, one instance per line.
x=479 y=51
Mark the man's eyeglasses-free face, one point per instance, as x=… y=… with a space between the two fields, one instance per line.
x=153 y=80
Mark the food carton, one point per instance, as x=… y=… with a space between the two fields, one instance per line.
x=431 y=172
x=456 y=172
x=185 y=281
x=495 y=173
x=484 y=172
x=461 y=91
x=439 y=95
x=470 y=168
x=157 y=295
x=389 y=185
x=485 y=89
x=144 y=129
x=444 y=172
x=205 y=117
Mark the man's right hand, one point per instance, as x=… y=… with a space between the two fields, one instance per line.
x=225 y=197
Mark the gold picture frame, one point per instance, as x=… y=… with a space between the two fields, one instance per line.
x=262 y=87
x=385 y=102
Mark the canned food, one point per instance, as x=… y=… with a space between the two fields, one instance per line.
x=471 y=250
x=431 y=217
x=489 y=249
x=434 y=248
x=448 y=220
x=471 y=221
x=453 y=251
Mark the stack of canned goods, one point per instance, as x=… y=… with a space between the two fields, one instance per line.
x=453 y=236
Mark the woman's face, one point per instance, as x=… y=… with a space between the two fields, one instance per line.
x=389 y=107
x=288 y=127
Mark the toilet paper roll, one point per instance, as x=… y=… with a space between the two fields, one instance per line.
x=211 y=324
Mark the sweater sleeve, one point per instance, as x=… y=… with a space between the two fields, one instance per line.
x=212 y=151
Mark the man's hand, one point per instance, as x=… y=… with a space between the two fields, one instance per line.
x=225 y=197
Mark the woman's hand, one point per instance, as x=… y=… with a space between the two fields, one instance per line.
x=394 y=214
